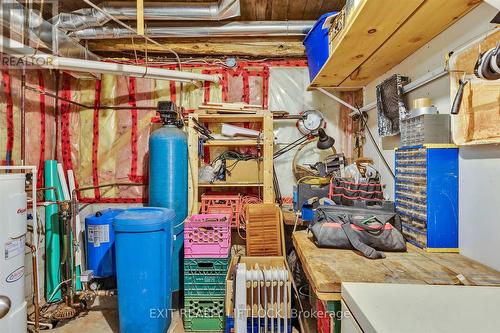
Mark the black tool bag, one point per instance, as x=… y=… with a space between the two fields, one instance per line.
x=366 y=230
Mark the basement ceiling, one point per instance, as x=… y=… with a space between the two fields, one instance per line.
x=253 y=10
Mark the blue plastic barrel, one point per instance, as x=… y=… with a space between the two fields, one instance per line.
x=316 y=43
x=168 y=185
x=143 y=241
x=100 y=240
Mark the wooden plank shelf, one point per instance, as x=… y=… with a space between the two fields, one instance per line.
x=228 y=184
x=232 y=143
x=205 y=117
x=382 y=33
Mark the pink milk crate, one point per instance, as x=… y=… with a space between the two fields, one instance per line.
x=207 y=236
x=224 y=203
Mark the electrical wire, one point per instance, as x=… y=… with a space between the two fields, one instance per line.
x=364 y=122
x=54 y=292
x=246 y=200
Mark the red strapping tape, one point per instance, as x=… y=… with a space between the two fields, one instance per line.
x=41 y=100
x=134 y=135
x=246 y=87
x=65 y=127
x=95 y=139
x=9 y=110
x=173 y=93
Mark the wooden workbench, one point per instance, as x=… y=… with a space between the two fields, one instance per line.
x=327 y=269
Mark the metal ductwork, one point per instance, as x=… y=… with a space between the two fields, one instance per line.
x=41 y=33
x=231 y=29
x=171 y=11
x=44 y=60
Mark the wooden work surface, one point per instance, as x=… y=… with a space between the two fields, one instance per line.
x=326 y=269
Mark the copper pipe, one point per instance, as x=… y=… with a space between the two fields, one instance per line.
x=46 y=188
x=56 y=111
x=95 y=293
x=73 y=193
x=91 y=106
x=35 y=284
x=23 y=116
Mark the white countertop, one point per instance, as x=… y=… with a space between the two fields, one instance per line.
x=408 y=308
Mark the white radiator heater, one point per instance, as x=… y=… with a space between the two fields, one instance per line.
x=262 y=294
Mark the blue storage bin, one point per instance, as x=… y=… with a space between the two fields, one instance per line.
x=100 y=242
x=144 y=246
x=316 y=44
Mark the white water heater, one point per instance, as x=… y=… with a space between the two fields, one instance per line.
x=13 y=225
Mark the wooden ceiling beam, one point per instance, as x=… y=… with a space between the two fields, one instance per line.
x=251 y=48
x=140 y=17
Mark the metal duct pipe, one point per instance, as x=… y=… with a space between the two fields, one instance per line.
x=44 y=60
x=41 y=32
x=171 y=11
x=231 y=29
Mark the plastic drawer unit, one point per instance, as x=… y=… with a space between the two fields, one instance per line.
x=426 y=195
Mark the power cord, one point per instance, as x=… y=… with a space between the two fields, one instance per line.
x=364 y=122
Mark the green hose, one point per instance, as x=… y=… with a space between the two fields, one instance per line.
x=52 y=233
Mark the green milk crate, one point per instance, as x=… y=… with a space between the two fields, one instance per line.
x=204 y=314
x=205 y=277
x=197 y=324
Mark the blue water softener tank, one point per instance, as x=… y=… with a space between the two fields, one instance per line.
x=100 y=240
x=143 y=240
x=168 y=178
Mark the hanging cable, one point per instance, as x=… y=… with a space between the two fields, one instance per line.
x=364 y=122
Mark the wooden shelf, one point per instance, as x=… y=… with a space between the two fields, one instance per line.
x=231 y=143
x=226 y=184
x=265 y=145
x=205 y=117
x=382 y=33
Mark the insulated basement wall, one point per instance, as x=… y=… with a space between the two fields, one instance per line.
x=40 y=142
x=479 y=202
x=108 y=146
x=288 y=92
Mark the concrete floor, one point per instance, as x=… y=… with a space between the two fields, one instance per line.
x=103 y=318
x=105 y=321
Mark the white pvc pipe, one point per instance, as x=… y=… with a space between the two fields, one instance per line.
x=44 y=60
x=34 y=172
x=62 y=180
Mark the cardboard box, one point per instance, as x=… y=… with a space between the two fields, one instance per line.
x=251 y=171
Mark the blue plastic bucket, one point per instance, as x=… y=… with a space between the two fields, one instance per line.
x=100 y=242
x=316 y=44
x=144 y=245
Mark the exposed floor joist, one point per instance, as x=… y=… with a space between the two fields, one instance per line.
x=234 y=47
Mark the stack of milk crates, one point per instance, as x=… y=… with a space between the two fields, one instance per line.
x=207 y=244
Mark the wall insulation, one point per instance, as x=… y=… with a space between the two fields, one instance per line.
x=40 y=118
x=107 y=145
